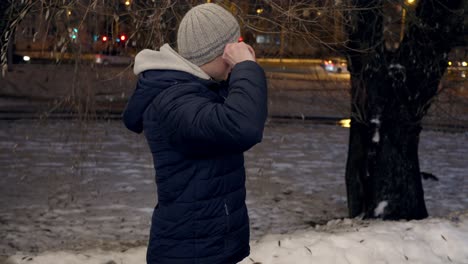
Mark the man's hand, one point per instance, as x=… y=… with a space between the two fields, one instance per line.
x=238 y=52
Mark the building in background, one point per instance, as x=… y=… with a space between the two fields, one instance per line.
x=288 y=29
x=117 y=27
x=64 y=32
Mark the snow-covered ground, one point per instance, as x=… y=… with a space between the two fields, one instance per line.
x=347 y=241
x=68 y=185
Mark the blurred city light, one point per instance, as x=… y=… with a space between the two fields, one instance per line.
x=127 y=3
x=464 y=64
x=26 y=58
x=259 y=11
x=410 y=1
x=104 y=38
x=449 y=63
x=123 y=37
x=345 y=123
x=73 y=33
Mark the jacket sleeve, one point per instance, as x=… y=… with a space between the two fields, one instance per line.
x=197 y=125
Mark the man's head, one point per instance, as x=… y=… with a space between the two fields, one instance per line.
x=204 y=32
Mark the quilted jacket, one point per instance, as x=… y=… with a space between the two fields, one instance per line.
x=197 y=130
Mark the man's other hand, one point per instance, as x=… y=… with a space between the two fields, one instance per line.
x=238 y=52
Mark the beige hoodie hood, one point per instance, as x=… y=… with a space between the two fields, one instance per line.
x=165 y=59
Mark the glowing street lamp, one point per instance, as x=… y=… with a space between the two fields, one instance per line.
x=127 y=2
x=403 y=18
x=259 y=11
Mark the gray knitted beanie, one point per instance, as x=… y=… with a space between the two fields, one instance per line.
x=204 y=31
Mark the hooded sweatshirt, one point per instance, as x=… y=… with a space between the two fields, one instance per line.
x=197 y=130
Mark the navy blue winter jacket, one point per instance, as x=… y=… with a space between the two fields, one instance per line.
x=197 y=131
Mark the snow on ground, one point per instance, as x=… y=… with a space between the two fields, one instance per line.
x=347 y=241
x=74 y=186
x=362 y=242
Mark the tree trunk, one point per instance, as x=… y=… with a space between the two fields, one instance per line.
x=391 y=91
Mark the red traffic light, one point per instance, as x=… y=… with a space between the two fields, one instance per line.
x=123 y=37
x=104 y=38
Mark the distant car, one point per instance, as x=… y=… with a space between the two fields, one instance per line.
x=21 y=59
x=460 y=65
x=335 y=65
x=102 y=59
x=458 y=68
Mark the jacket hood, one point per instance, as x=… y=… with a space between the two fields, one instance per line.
x=157 y=70
x=165 y=59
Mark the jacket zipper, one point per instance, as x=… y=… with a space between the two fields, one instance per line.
x=226 y=209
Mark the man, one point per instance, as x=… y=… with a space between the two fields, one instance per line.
x=200 y=109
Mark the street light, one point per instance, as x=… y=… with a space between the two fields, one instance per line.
x=403 y=18
x=259 y=11
x=127 y=2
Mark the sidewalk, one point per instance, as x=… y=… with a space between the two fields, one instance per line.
x=35 y=91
